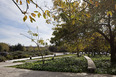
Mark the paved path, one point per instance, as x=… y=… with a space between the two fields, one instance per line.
x=14 y=72
x=57 y=54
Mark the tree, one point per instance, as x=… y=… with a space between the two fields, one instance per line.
x=32 y=16
x=52 y=48
x=4 y=47
x=102 y=20
x=19 y=47
x=85 y=19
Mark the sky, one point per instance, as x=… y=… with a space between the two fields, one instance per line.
x=12 y=25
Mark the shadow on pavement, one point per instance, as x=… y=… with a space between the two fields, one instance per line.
x=61 y=74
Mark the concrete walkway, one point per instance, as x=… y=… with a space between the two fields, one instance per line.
x=14 y=72
x=57 y=54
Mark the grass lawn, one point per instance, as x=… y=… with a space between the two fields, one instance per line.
x=71 y=64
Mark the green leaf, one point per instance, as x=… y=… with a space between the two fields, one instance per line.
x=77 y=18
x=72 y=16
x=35 y=34
x=36 y=11
x=74 y=4
x=31 y=19
x=39 y=14
x=48 y=21
x=88 y=15
x=25 y=18
x=73 y=22
x=20 y=2
x=44 y=15
x=47 y=12
x=32 y=39
x=28 y=1
x=41 y=41
x=109 y=13
x=36 y=6
x=17 y=1
x=34 y=15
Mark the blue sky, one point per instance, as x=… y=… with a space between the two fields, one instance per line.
x=11 y=24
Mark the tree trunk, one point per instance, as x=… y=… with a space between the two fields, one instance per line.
x=43 y=59
x=113 y=52
x=78 y=54
x=41 y=54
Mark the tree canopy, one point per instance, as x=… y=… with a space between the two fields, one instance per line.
x=78 y=21
x=4 y=47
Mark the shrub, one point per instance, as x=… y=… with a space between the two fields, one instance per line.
x=24 y=55
x=15 y=57
x=4 y=54
x=47 y=53
x=10 y=57
x=2 y=58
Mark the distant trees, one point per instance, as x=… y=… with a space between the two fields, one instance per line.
x=57 y=48
x=30 y=48
x=4 y=47
x=17 y=47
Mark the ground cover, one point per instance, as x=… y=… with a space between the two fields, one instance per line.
x=71 y=64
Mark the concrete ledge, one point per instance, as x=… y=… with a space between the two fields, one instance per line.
x=91 y=65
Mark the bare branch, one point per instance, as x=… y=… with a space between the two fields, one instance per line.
x=27 y=6
x=18 y=7
x=30 y=38
x=37 y=5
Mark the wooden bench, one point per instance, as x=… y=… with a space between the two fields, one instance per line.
x=91 y=65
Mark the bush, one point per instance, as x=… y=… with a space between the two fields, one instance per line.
x=4 y=54
x=104 y=66
x=47 y=53
x=2 y=58
x=10 y=57
x=15 y=57
x=24 y=55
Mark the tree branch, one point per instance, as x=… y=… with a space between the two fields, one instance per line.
x=27 y=6
x=18 y=7
x=37 y=5
x=103 y=35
